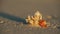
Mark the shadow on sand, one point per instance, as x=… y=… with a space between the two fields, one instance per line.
x=11 y=17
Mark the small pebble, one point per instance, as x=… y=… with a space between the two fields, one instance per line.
x=1 y=21
x=49 y=17
x=54 y=27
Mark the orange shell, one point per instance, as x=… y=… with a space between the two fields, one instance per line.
x=42 y=23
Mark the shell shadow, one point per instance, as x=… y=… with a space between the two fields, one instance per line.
x=11 y=17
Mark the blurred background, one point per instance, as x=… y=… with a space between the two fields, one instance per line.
x=22 y=8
